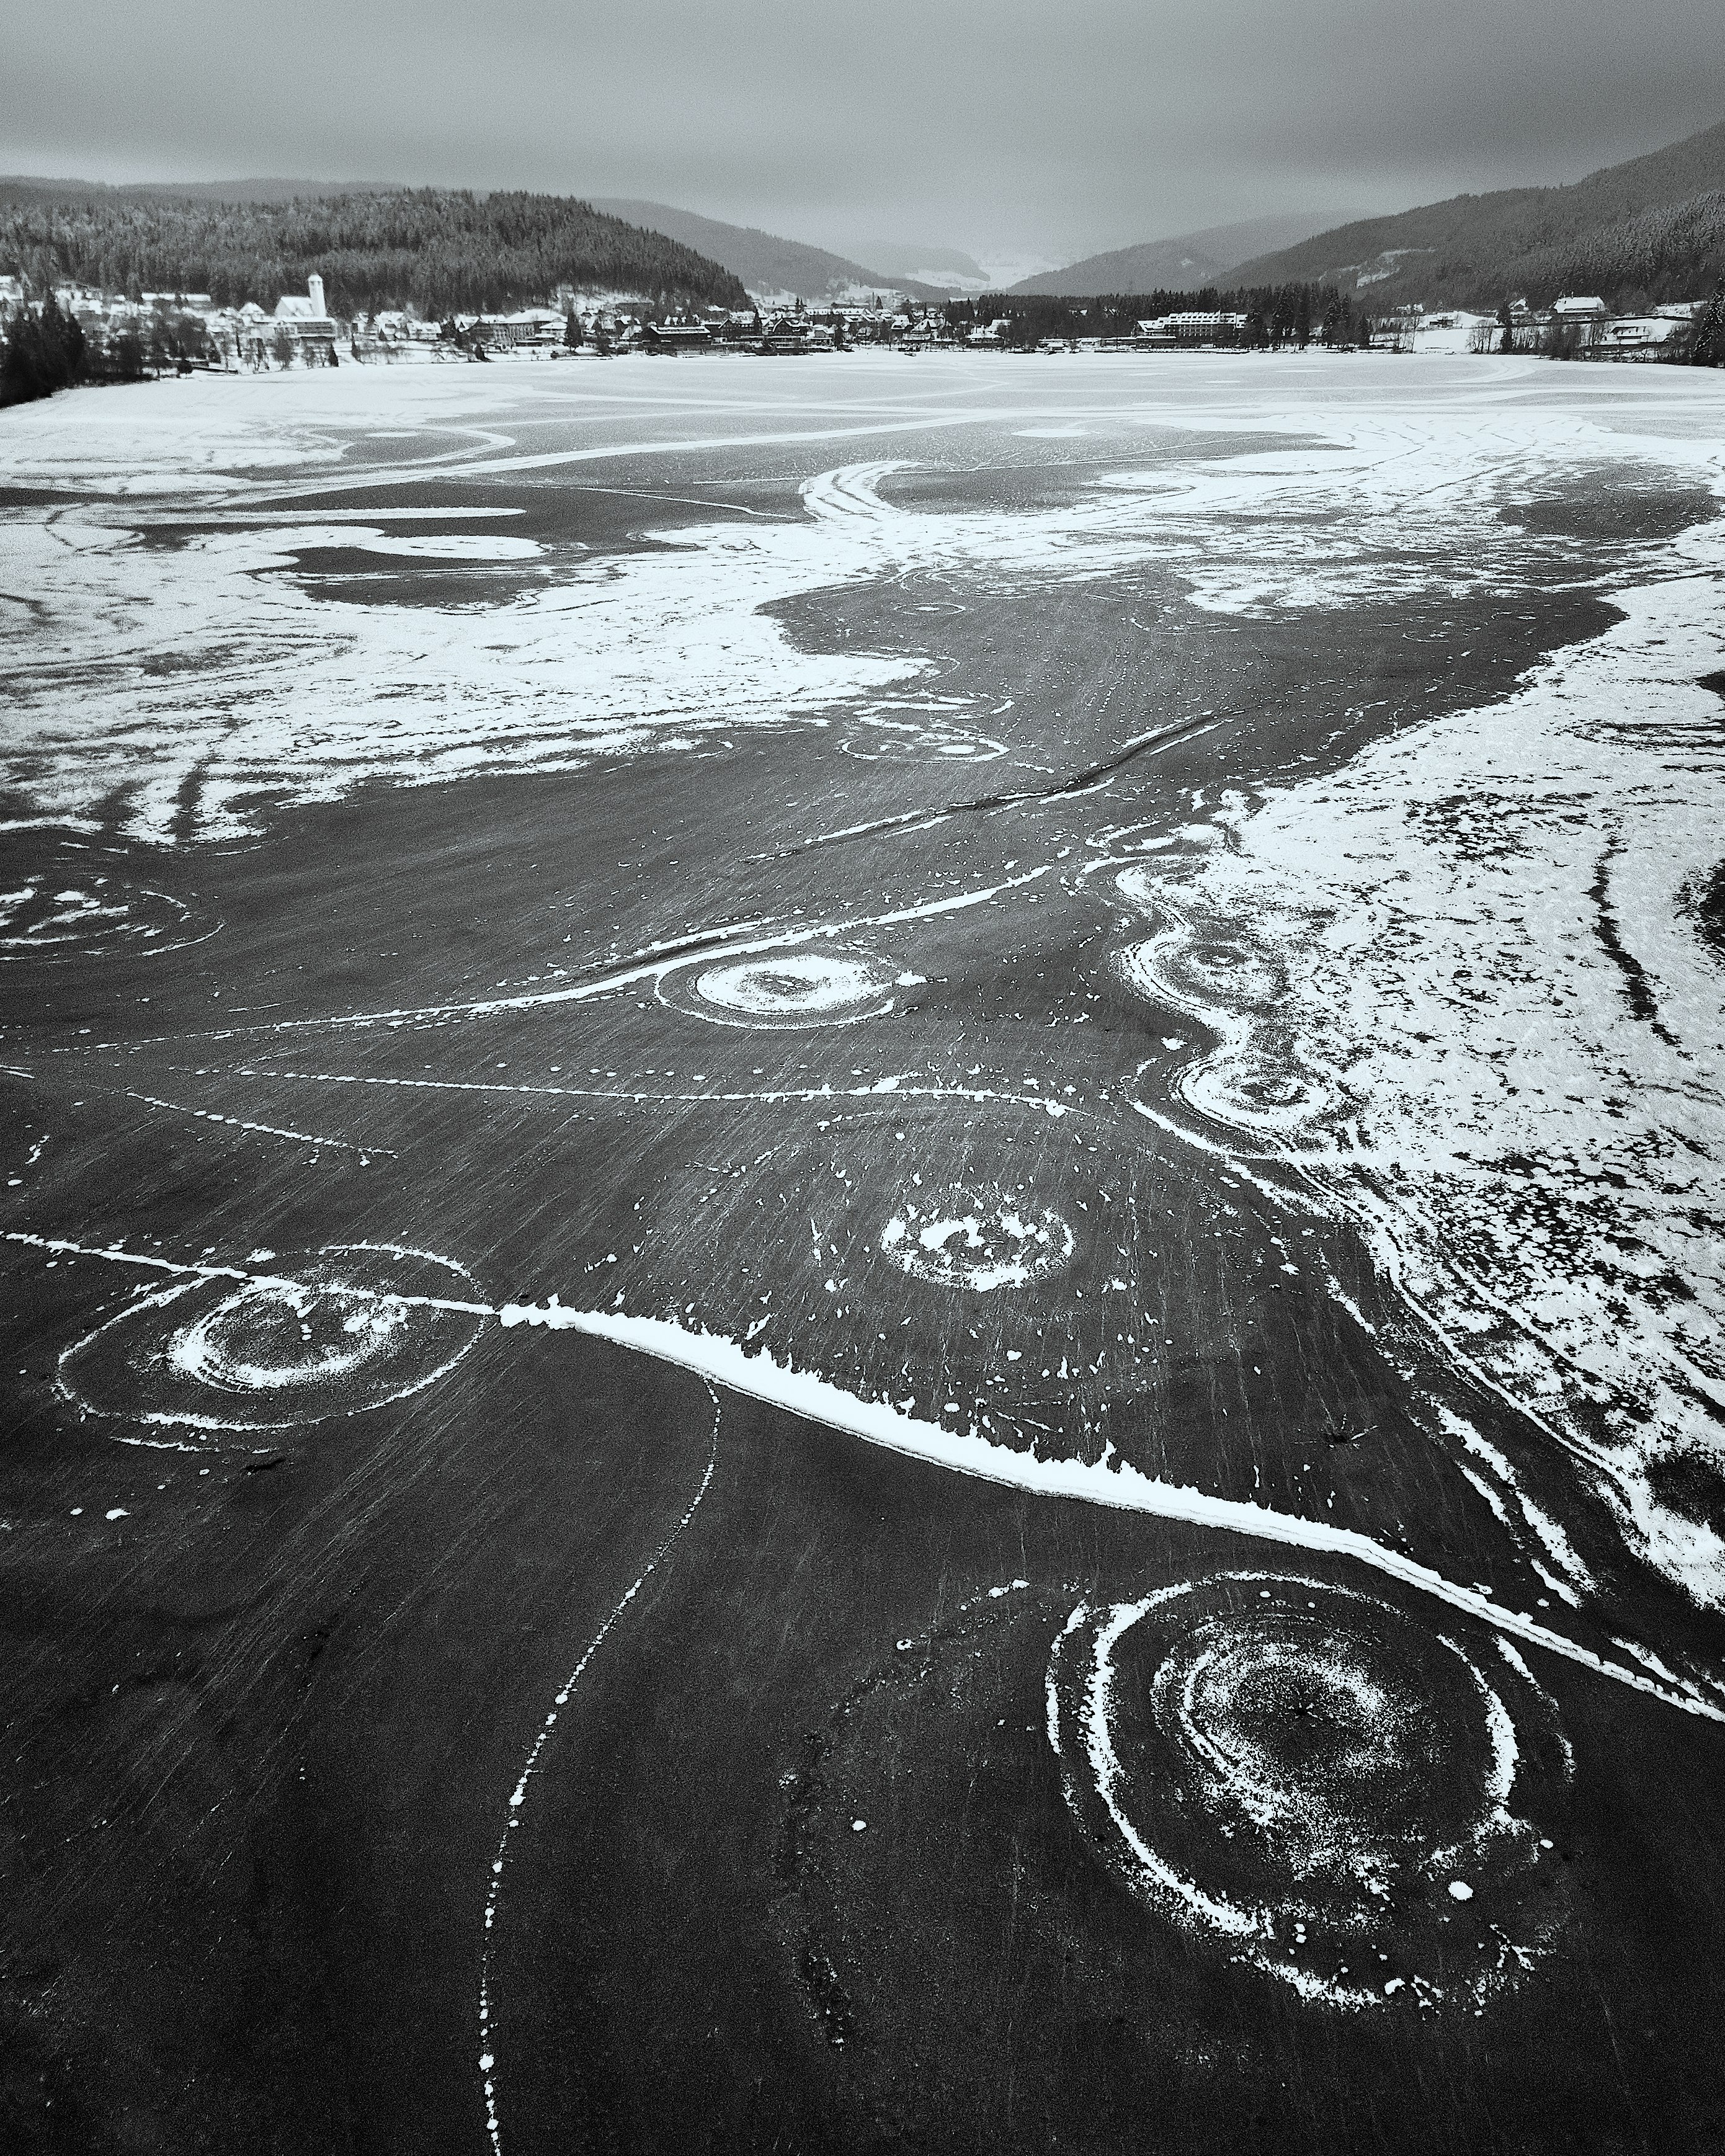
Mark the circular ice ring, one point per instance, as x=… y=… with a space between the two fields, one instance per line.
x=351 y=1328
x=981 y=1241
x=1308 y=1776
x=56 y=914
x=792 y=988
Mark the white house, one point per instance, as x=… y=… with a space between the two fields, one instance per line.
x=541 y=326
x=1197 y=325
x=1633 y=333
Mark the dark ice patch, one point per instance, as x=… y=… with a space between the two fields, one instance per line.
x=1613 y=514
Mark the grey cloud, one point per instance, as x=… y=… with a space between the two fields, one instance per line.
x=1024 y=124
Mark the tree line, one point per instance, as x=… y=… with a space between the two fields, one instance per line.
x=435 y=250
x=1707 y=341
x=45 y=349
x=1275 y=315
x=1298 y=314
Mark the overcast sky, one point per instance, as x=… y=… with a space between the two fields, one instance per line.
x=1049 y=128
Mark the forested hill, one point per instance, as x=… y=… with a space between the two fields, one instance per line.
x=1184 y=264
x=18 y=187
x=767 y=264
x=1650 y=230
x=438 y=251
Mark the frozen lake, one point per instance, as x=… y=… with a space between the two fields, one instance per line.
x=1128 y=1526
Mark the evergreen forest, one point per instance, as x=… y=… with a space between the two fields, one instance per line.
x=436 y=251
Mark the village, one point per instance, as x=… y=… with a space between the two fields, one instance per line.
x=188 y=332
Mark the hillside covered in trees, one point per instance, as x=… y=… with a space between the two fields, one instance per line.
x=435 y=250
x=1674 y=254
x=1637 y=233
x=1187 y=263
x=765 y=263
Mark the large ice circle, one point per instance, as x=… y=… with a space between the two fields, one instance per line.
x=979 y=1239
x=335 y=1331
x=281 y=1336
x=787 y=988
x=1272 y=1098
x=1212 y=975
x=948 y=744
x=1316 y=1783
x=61 y=912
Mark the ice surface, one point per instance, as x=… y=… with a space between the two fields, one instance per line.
x=921 y=1112
x=150 y=665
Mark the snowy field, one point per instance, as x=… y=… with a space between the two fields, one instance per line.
x=1156 y=1462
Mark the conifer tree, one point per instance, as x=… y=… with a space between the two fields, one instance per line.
x=1707 y=346
x=44 y=350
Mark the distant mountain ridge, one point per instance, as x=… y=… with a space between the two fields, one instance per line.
x=19 y=186
x=1189 y=263
x=908 y=261
x=762 y=260
x=1650 y=229
x=437 y=249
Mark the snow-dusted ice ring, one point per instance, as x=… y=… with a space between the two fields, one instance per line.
x=1211 y=976
x=976 y=1239
x=1271 y=1098
x=1325 y=1790
x=785 y=989
x=63 y=913
x=331 y=1332
x=930 y=745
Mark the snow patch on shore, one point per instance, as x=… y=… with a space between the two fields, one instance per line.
x=1490 y=987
